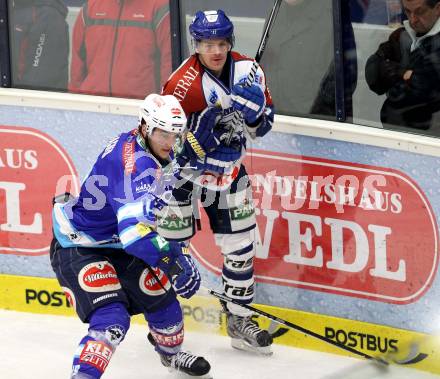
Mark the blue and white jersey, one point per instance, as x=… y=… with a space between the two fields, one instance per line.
x=117 y=202
x=197 y=88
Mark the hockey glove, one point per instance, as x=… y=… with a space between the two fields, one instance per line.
x=187 y=281
x=261 y=128
x=249 y=100
x=200 y=139
x=181 y=269
x=221 y=159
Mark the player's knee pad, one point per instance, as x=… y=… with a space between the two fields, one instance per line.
x=238 y=267
x=108 y=326
x=230 y=243
x=166 y=328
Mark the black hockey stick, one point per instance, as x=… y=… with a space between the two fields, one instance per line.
x=281 y=321
x=251 y=76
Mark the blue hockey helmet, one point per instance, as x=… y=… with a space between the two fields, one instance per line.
x=211 y=25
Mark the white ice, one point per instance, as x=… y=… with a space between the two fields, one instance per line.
x=41 y=346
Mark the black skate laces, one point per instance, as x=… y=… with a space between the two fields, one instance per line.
x=183 y=360
x=246 y=326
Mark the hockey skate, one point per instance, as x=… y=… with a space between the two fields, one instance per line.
x=246 y=335
x=185 y=363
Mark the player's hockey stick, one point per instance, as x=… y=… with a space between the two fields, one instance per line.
x=413 y=355
x=251 y=76
x=381 y=361
x=409 y=353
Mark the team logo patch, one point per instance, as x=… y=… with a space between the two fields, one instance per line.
x=99 y=277
x=115 y=334
x=70 y=296
x=150 y=286
x=213 y=97
x=96 y=354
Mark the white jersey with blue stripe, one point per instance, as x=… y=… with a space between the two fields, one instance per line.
x=116 y=204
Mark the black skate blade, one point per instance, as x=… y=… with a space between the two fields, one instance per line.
x=177 y=374
x=239 y=344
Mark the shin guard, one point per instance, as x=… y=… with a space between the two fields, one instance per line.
x=166 y=328
x=107 y=328
x=238 y=269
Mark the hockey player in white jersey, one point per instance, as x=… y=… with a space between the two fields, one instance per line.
x=210 y=86
x=107 y=255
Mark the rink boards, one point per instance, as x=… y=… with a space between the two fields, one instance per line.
x=203 y=314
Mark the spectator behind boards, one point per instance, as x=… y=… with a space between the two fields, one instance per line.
x=407 y=68
x=121 y=48
x=39 y=44
x=325 y=101
x=299 y=58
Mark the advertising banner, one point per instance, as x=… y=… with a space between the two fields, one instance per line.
x=203 y=314
x=345 y=229
x=33 y=169
x=336 y=227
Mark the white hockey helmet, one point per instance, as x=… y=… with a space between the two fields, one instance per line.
x=163 y=112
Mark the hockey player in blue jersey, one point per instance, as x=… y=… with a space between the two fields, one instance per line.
x=107 y=255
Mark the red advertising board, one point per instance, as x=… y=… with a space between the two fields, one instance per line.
x=33 y=168
x=337 y=227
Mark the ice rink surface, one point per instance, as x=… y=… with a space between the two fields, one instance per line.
x=41 y=347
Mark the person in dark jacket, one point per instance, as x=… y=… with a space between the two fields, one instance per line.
x=121 y=48
x=407 y=68
x=39 y=44
x=303 y=34
x=325 y=101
